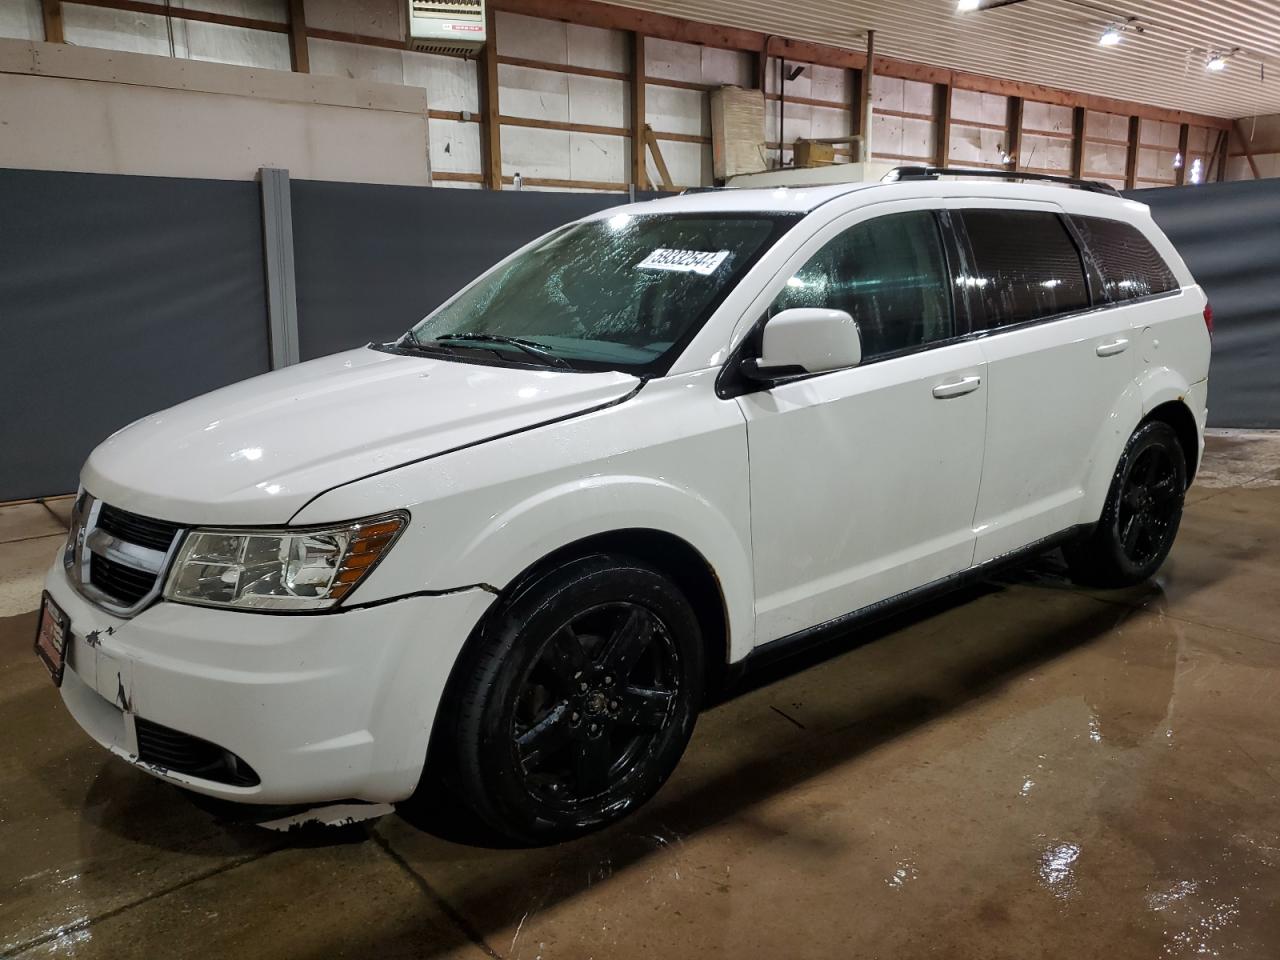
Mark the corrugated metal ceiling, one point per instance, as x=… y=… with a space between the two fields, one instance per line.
x=1052 y=42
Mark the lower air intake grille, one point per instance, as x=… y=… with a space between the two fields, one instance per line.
x=183 y=753
x=123 y=584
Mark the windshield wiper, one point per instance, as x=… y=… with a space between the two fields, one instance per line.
x=536 y=350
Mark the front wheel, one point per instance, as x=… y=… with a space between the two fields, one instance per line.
x=576 y=701
x=1141 y=515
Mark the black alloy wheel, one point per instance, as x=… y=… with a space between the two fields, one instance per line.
x=1141 y=516
x=594 y=702
x=575 y=700
x=1150 y=504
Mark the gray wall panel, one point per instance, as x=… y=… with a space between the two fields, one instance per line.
x=119 y=296
x=373 y=260
x=1229 y=235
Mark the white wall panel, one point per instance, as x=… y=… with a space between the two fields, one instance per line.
x=526 y=92
x=455 y=146
x=451 y=82
x=21 y=19
x=355 y=61
x=115 y=30
x=536 y=153
x=599 y=101
x=688 y=163
x=727 y=67
x=238 y=45
x=674 y=110
x=532 y=38
x=917 y=97
x=277 y=10
x=597 y=48
x=1106 y=126
x=672 y=61
x=370 y=18
x=598 y=157
x=975 y=144
x=1045 y=153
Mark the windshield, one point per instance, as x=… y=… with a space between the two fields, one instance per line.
x=623 y=293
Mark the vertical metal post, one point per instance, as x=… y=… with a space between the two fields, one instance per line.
x=277 y=246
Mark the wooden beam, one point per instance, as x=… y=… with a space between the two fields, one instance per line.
x=563 y=68
x=1180 y=171
x=182 y=13
x=1244 y=145
x=658 y=159
x=941 y=124
x=1220 y=154
x=855 y=102
x=639 y=173
x=52 y=11
x=866 y=146
x=569 y=184
x=1013 y=131
x=491 y=130
x=537 y=123
x=1131 y=155
x=1078 y=118
x=299 y=55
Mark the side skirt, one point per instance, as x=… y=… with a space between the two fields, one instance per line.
x=801 y=640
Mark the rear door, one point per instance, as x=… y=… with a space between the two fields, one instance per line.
x=1057 y=369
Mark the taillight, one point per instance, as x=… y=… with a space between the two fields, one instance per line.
x=1208 y=319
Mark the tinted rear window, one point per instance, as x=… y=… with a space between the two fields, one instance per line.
x=1025 y=265
x=1130 y=265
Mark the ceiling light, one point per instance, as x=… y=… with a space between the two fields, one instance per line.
x=964 y=6
x=1110 y=36
x=1217 y=63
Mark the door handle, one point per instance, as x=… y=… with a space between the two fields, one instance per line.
x=1112 y=348
x=957 y=388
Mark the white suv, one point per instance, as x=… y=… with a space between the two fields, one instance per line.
x=529 y=537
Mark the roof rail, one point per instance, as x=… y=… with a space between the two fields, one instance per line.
x=933 y=173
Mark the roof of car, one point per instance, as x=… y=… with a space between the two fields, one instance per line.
x=806 y=199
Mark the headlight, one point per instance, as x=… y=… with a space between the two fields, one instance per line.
x=301 y=569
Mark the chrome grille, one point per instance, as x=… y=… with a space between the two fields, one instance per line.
x=116 y=558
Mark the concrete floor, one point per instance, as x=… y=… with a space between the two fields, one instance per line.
x=1026 y=770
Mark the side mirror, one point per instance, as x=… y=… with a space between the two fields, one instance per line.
x=806 y=340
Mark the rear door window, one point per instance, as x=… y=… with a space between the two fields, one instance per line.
x=1130 y=266
x=1025 y=266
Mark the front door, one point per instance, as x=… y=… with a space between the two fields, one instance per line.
x=864 y=481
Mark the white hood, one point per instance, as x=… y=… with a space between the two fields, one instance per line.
x=257 y=451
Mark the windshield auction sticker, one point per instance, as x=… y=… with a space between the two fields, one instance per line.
x=704 y=262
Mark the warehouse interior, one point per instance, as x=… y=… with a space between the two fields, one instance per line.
x=194 y=193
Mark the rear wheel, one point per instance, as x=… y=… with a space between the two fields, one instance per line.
x=1141 y=515
x=576 y=701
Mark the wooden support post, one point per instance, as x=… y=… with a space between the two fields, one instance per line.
x=1078 y=120
x=639 y=173
x=490 y=124
x=658 y=159
x=1131 y=155
x=941 y=124
x=1244 y=145
x=52 y=10
x=1224 y=138
x=864 y=98
x=760 y=70
x=1013 y=132
x=299 y=55
x=1180 y=174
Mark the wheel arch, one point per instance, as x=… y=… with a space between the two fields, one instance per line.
x=668 y=554
x=1179 y=416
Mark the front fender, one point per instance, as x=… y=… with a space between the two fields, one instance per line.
x=517 y=538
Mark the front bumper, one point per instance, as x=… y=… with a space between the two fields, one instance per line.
x=322 y=707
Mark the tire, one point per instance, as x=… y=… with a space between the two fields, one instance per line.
x=1141 y=515
x=575 y=701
